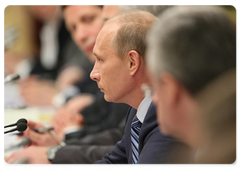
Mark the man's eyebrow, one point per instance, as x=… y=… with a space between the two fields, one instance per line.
x=105 y=19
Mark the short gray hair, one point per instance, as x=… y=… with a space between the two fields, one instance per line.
x=193 y=43
x=132 y=32
x=153 y=9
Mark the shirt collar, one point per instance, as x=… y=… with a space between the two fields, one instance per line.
x=143 y=108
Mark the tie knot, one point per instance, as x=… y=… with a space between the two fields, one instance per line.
x=136 y=125
x=136 y=122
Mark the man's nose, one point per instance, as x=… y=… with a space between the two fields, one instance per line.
x=81 y=34
x=95 y=75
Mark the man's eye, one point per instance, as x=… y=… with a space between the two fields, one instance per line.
x=88 y=19
x=72 y=30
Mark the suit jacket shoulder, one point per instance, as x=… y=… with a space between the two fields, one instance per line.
x=154 y=146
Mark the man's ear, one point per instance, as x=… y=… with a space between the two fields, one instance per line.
x=134 y=61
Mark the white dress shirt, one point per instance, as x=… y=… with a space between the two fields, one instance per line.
x=143 y=108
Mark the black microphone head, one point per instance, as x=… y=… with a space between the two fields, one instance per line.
x=22 y=120
x=22 y=127
x=11 y=77
x=15 y=77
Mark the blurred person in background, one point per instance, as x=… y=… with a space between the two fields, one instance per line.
x=192 y=55
x=20 y=40
x=59 y=62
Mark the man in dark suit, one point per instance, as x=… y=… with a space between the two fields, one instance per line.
x=120 y=73
x=154 y=147
x=193 y=60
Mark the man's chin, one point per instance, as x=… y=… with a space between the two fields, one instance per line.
x=107 y=98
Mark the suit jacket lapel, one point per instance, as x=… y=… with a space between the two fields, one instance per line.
x=149 y=123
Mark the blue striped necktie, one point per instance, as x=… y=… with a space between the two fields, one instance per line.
x=135 y=130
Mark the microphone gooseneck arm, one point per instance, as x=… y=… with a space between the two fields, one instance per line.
x=12 y=130
x=20 y=127
x=14 y=124
x=22 y=120
x=11 y=77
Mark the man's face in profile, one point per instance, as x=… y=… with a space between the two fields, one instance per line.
x=110 y=71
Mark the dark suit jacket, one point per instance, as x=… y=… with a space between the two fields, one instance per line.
x=99 y=116
x=85 y=154
x=153 y=145
x=90 y=148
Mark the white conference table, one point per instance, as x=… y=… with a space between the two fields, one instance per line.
x=42 y=115
x=14 y=108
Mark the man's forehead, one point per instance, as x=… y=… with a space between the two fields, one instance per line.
x=82 y=10
x=104 y=38
x=111 y=29
x=103 y=42
x=107 y=33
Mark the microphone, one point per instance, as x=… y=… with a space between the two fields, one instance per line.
x=20 y=127
x=22 y=120
x=11 y=77
x=18 y=143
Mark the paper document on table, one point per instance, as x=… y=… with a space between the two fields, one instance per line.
x=12 y=98
x=9 y=140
